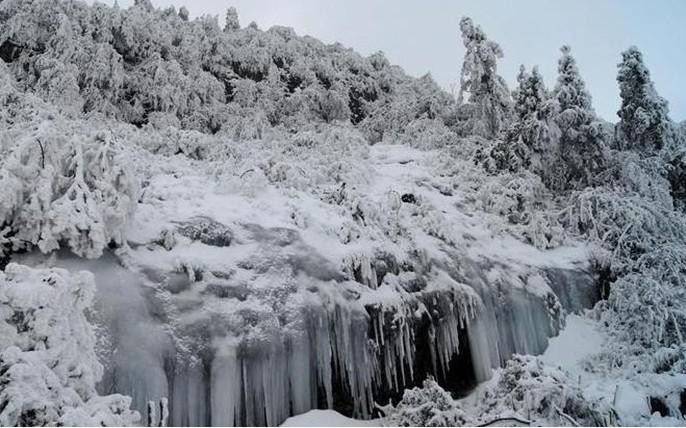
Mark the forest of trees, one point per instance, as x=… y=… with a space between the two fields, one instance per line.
x=69 y=70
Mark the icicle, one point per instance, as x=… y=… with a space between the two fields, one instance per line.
x=164 y=412
x=153 y=420
x=158 y=413
x=225 y=398
x=363 y=269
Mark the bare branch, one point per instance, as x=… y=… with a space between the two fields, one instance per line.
x=42 y=154
x=511 y=418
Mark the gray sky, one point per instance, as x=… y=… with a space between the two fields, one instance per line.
x=423 y=36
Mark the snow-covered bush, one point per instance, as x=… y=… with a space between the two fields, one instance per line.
x=542 y=394
x=650 y=301
x=524 y=391
x=676 y=171
x=626 y=225
x=428 y=134
x=316 y=159
x=428 y=406
x=516 y=203
x=48 y=366
x=65 y=185
x=418 y=107
x=521 y=199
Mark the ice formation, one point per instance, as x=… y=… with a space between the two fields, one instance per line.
x=335 y=345
x=235 y=322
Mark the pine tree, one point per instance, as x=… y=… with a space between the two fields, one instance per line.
x=581 y=145
x=532 y=110
x=644 y=116
x=485 y=90
x=529 y=140
x=232 y=23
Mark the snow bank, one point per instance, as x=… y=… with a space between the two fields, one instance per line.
x=327 y=418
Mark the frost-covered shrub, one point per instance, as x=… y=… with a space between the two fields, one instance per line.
x=65 y=185
x=626 y=225
x=412 y=108
x=428 y=134
x=525 y=390
x=650 y=301
x=429 y=406
x=48 y=366
x=497 y=156
x=515 y=203
x=676 y=172
x=543 y=394
x=317 y=158
x=521 y=199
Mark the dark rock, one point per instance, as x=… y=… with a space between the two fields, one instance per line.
x=385 y=263
x=576 y=290
x=658 y=405
x=207 y=231
x=223 y=274
x=682 y=403
x=408 y=198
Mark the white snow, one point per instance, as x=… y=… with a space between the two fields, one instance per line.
x=579 y=339
x=327 y=418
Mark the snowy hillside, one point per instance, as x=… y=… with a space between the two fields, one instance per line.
x=228 y=226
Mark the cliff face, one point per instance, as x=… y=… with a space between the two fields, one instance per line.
x=248 y=306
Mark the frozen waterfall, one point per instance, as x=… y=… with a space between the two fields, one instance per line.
x=203 y=342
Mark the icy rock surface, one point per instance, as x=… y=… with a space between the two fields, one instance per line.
x=244 y=307
x=207 y=231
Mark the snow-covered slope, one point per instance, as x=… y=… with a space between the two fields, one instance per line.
x=239 y=288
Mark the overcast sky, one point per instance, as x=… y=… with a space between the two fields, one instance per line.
x=423 y=36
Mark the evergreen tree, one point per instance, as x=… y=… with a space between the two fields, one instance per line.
x=232 y=23
x=529 y=140
x=480 y=83
x=581 y=145
x=644 y=116
x=532 y=110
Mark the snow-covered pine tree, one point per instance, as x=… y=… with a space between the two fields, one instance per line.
x=644 y=115
x=581 y=146
x=532 y=134
x=480 y=85
x=232 y=23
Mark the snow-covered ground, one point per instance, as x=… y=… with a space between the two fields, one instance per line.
x=580 y=338
x=328 y=418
